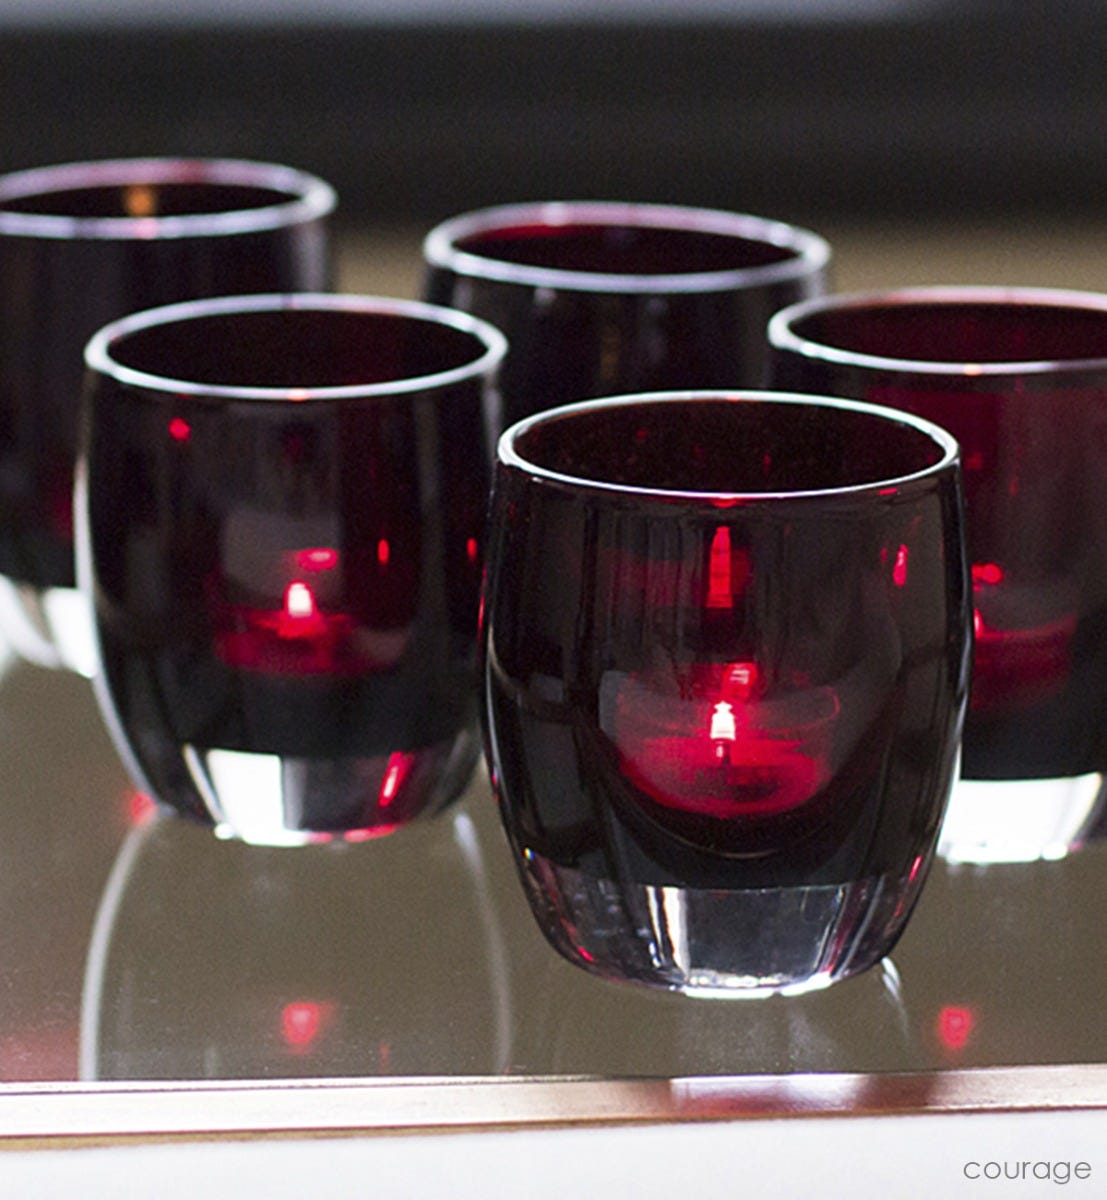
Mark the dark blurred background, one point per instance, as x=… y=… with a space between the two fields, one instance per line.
x=799 y=109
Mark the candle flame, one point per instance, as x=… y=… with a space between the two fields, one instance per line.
x=299 y=603
x=723 y=725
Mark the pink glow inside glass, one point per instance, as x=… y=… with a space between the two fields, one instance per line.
x=719 y=746
x=1019 y=377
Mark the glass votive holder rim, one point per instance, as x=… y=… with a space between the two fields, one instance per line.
x=99 y=357
x=306 y=197
x=947 y=449
x=807 y=253
x=784 y=335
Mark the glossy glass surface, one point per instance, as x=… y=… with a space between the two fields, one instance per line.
x=725 y=645
x=602 y=298
x=282 y=504
x=1020 y=378
x=81 y=245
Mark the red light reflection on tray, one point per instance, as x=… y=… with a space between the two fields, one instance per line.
x=719 y=743
x=302 y=1021
x=955 y=1026
x=140 y=807
x=1022 y=648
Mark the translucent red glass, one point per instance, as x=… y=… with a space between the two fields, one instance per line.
x=285 y=599
x=83 y=244
x=726 y=653
x=1020 y=378
x=603 y=298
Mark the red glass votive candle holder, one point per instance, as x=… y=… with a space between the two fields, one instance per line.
x=599 y=298
x=1019 y=376
x=281 y=504
x=725 y=644
x=82 y=244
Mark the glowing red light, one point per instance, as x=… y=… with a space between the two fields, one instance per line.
x=955 y=1026
x=986 y=573
x=300 y=616
x=471 y=549
x=140 y=807
x=302 y=1021
x=369 y=835
x=179 y=429
x=719 y=594
x=397 y=770
x=384 y=552
x=741 y=678
x=899 y=570
x=977 y=622
x=721 y=747
x=317 y=558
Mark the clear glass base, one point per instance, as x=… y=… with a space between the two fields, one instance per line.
x=1018 y=820
x=279 y=800
x=50 y=627
x=717 y=942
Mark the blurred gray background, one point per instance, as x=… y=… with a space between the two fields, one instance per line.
x=804 y=109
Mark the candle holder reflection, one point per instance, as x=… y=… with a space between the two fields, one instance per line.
x=224 y=960
x=572 y=1023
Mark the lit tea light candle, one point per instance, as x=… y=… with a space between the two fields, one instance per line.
x=1022 y=644
x=308 y=632
x=298 y=638
x=718 y=743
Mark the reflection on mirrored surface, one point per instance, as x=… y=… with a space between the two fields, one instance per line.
x=1005 y=963
x=217 y=959
x=417 y=954
x=63 y=811
x=579 y=1026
